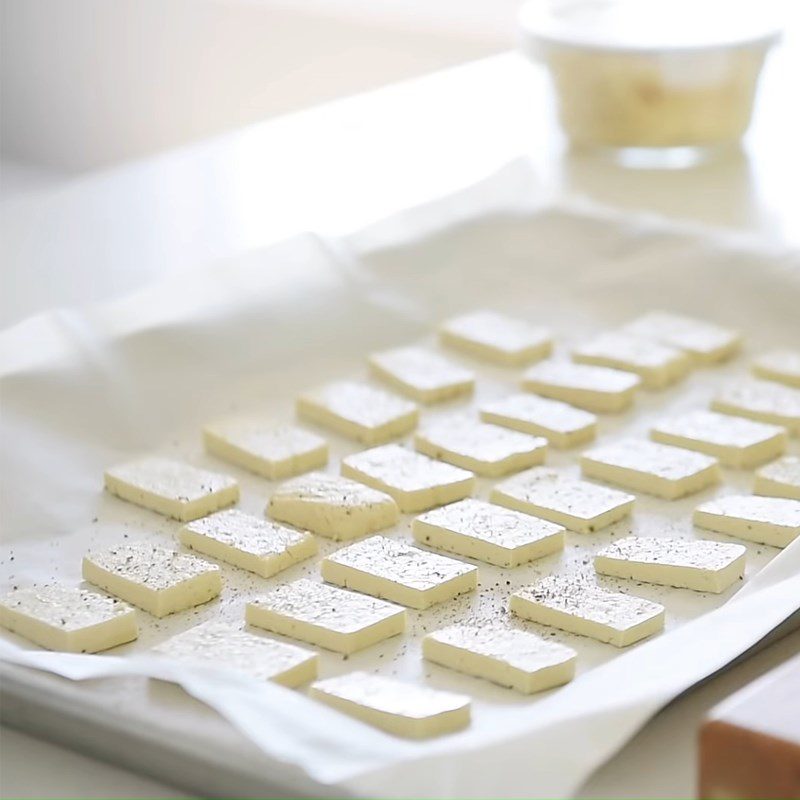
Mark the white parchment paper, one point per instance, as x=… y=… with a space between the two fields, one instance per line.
x=84 y=388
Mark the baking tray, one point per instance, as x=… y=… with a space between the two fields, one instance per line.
x=143 y=373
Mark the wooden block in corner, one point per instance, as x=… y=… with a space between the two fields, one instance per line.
x=750 y=743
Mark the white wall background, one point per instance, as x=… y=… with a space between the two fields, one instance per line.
x=87 y=83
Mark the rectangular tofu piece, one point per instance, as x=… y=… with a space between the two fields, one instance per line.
x=764 y=401
x=248 y=542
x=326 y=616
x=221 y=644
x=332 y=506
x=172 y=488
x=597 y=389
x=506 y=656
x=158 y=580
x=561 y=424
x=488 y=533
x=580 y=606
x=416 y=482
x=421 y=374
x=577 y=505
x=497 y=338
x=400 y=708
x=779 y=479
x=644 y=466
x=734 y=441
x=706 y=342
x=779 y=365
x=485 y=449
x=68 y=618
x=658 y=365
x=766 y=520
x=700 y=565
x=399 y=572
x=360 y=412
x=264 y=448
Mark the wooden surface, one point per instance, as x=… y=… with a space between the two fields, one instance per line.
x=750 y=744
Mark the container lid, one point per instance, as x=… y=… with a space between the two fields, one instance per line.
x=650 y=25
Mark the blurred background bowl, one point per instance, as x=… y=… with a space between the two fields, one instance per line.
x=659 y=75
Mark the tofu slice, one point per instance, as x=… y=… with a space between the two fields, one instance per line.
x=172 y=488
x=415 y=481
x=326 y=616
x=488 y=533
x=700 y=565
x=222 y=644
x=264 y=448
x=497 y=338
x=248 y=542
x=561 y=424
x=68 y=618
x=597 y=389
x=764 y=401
x=421 y=374
x=485 y=449
x=577 y=505
x=399 y=572
x=368 y=415
x=779 y=479
x=658 y=365
x=153 y=578
x=735 y=442
x=766 y=520
x=779 y=365
x=506 y=656
x=332 y=506
x=644 y=466
x=580 y=606
x=400 y=708
x=706 y=342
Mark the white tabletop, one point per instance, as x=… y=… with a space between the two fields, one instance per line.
x=338 y=166
x=335 y=168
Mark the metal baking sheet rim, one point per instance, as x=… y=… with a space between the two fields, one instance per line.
x=54 y=709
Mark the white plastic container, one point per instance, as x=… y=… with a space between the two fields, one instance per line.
x=653 y=74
